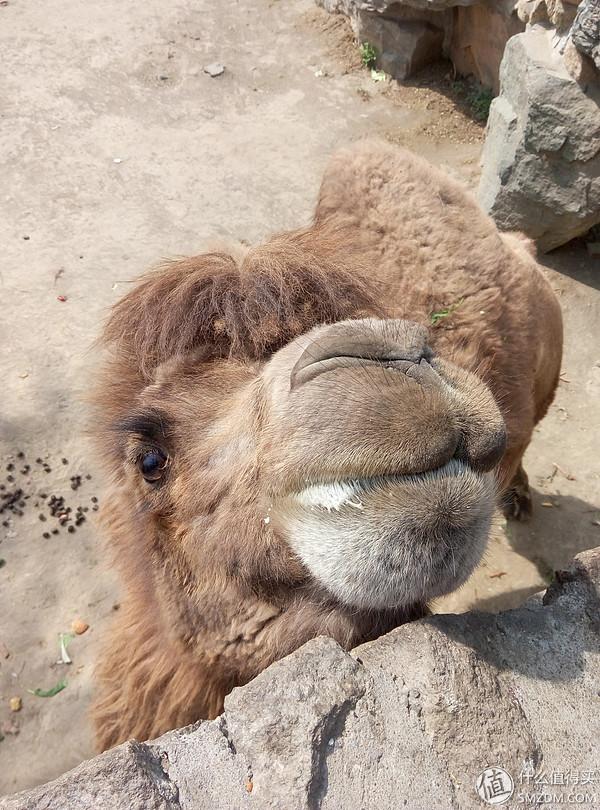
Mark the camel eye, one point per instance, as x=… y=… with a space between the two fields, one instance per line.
x=152 y=465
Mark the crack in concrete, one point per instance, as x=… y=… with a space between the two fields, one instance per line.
x=325 y=736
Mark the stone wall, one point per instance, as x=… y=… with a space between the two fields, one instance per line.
x=411 y=33
x=471 y=33
x=541 y=162
x=408 y=721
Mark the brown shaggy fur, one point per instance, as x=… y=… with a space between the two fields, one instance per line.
x=245 y=309
x=213 y=595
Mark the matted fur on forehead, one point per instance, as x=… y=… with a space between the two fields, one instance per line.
x=244 y=307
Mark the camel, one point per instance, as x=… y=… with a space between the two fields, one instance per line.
x=309 y=437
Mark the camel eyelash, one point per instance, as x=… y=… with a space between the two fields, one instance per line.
x=149 y=426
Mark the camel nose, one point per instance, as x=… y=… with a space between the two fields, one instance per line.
x=482 y=449
x=394 y=344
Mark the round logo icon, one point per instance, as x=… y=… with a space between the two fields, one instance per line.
x=495 y=785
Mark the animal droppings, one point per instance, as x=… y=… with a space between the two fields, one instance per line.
x=14 y=500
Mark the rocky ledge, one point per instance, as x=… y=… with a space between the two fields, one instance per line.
x=412 y=720
x=541 y=162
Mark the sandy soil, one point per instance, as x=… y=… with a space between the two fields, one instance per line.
x=119 y=150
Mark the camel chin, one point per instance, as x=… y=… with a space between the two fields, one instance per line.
x=393 y=540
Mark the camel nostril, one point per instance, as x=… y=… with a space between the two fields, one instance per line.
x=482 y=450
x=391 y=343
x=411 y=367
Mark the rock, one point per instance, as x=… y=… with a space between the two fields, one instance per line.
x=390 y=7
x=541 y=159
x=410 y=720
x=580 y=67
x=130 y=776
x=585 y=33
x=382 y=6
x=214 y=69
x=289 y=768
x=337 y=6
x=559 y=13
x=403 y=45
x=410 y=33
x=478 y=37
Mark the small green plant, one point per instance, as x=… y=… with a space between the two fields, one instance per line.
x=436 y=317
x=479 y=99
x=368 y=55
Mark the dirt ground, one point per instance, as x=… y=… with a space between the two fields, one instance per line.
x=118 y=151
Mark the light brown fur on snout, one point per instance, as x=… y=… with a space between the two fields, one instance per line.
x=307 y=437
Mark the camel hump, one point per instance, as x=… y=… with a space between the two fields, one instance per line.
x=386 y=187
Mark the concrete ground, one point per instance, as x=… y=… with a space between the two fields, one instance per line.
x=119 y=150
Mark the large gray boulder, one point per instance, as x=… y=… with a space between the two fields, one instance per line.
x=541 y=159
x=408 y=721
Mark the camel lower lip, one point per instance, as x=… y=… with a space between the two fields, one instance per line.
x=391 y=540
x=334 y=495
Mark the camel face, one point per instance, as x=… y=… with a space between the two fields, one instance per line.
x=379 y=457
x=359 y=460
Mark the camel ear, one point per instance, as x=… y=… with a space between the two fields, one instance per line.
x=245 y=307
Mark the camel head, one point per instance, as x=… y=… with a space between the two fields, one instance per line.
x=270 y=431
